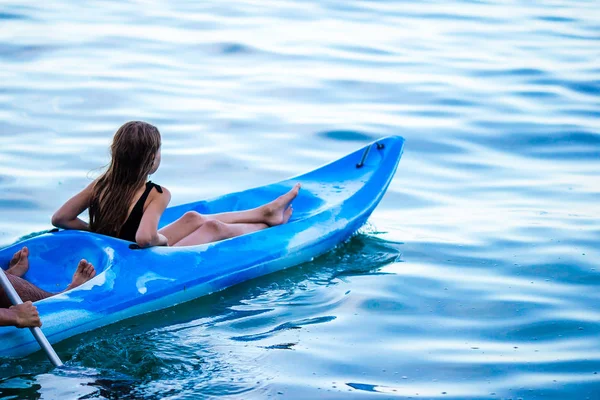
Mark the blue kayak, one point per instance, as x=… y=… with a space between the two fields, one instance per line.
x=335 y=200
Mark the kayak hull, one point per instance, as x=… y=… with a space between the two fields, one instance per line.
x=334 y=202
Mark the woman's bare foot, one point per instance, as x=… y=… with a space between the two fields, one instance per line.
x=84 y=272
x=278 y=211
x=287 y=214
x=19 y=264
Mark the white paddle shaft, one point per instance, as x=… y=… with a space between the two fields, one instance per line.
x=37 y=332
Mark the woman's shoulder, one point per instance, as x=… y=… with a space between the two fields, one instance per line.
x=160 y=191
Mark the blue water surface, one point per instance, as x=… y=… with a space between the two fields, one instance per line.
x=476 y=278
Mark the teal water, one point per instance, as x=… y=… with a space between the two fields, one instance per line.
x=476 y=278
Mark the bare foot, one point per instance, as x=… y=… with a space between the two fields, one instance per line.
x=84 y=272
x=287 y=214
x=19 y=264
x=275 y=211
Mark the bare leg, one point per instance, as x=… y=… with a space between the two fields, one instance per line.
x=214 y=230
x=29 y=292
x=184 y=226
x=270 y=214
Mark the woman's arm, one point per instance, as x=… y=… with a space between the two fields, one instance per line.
x=67 y=216
x=147 y=234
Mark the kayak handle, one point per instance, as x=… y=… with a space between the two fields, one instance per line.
x=366 y=153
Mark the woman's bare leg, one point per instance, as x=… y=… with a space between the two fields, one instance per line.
x=215 y=230
x=184 y=226
x=270 y=214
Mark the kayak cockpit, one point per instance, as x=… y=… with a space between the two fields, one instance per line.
x=53 y=258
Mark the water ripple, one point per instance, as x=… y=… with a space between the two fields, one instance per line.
x=478 y=275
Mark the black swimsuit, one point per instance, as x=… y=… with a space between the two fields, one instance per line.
x=132 y=224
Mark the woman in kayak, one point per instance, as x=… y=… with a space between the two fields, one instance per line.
x=123 y=204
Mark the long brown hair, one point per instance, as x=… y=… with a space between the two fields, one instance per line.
x=133 y=150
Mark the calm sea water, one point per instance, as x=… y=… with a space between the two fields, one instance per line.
x=476 y=278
